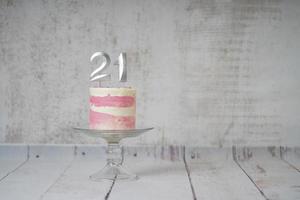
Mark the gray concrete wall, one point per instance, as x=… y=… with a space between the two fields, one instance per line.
x=211 y=73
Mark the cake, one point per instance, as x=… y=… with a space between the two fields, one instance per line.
x=112 y=108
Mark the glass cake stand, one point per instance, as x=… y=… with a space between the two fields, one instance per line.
x=113 y=168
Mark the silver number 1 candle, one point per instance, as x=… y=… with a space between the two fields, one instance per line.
x=122 y=61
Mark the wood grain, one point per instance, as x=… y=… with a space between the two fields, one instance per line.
x=275 y=178
x=11 y=158
x=291 y=156
x=45 y=165
x=215 y=175
x=162 y=175
x=75 y=183
x=61 y=172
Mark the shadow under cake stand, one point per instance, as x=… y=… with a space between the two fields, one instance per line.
x=113 y=168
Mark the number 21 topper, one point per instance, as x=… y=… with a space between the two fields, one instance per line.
x=96 y=75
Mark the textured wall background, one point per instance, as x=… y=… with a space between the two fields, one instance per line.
x=211 y=73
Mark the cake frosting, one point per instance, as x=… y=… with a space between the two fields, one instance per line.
x=112 y=108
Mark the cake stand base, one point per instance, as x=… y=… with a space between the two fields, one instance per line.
x=113 y=172
x=113 y=169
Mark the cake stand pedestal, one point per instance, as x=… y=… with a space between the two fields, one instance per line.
x=113 y=168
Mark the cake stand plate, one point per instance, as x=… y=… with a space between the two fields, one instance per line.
x=113 y=168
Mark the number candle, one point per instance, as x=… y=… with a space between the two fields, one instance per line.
x=103 y=66
x=122 y=61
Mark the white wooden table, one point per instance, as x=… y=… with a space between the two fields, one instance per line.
x=53 y=172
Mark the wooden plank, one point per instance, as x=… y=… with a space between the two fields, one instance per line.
x=275 y=178
x=162 y=175
x=215 y=175
x=45 y=165
x=75 y=183
x=11 y=158
x=292 y=156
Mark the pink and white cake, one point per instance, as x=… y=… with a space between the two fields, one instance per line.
x=112 y=108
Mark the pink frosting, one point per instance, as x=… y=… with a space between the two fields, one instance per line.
x=114 y=101
x=107 y=121
x=111 y=120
